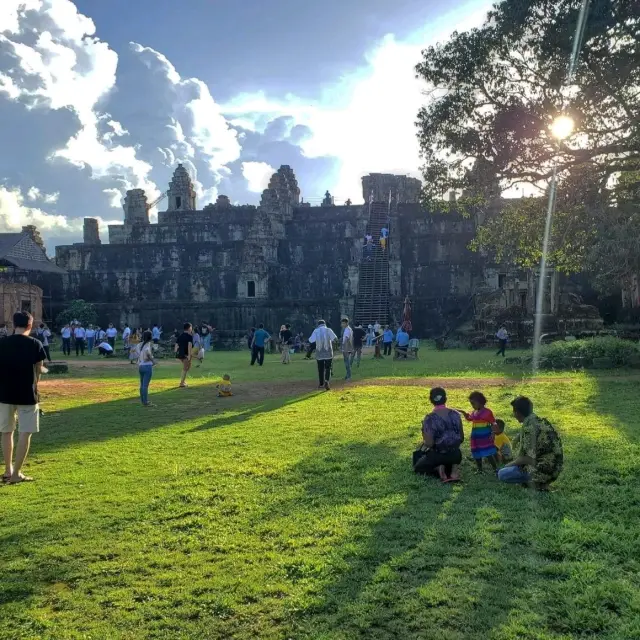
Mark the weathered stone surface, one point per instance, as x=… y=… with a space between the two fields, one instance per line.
x=91 y=231
x=284 y=261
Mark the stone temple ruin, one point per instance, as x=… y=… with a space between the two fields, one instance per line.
x=282 y=261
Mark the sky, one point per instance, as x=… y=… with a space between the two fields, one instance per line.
x=97 y=97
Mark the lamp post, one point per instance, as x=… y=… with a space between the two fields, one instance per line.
x=561 y=128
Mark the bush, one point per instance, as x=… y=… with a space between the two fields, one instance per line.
x=559 y=354
x=79 y=310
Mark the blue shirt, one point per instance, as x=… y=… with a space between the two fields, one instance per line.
x=155 y=333
x=387 y=336
x=260 y=337
x=402 y=338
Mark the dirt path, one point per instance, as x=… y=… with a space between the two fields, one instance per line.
x=255 y=391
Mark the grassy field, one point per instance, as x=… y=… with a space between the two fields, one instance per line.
x=287 y=513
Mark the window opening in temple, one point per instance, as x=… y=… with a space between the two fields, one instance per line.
x=523 y=299
x=251 y=289
x=25 y=305
x=178 y=202
x=502 y=279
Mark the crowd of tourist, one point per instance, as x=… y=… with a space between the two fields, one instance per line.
x=534 y=459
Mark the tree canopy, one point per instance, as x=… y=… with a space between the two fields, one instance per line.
x=494 y=92
x=78 y=310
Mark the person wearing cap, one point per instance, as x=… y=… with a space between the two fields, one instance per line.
x=442 y=435
x=322 y=339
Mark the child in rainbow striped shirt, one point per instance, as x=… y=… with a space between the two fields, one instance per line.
x=481 y=438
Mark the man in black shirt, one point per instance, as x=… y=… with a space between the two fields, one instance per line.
x=183 y=349
x=359 y=335
x=285 y=339
x=21 y=360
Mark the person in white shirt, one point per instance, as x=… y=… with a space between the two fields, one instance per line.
x=347 y=346
x=112 y=334
x=66 y=340
x=101 y=335
x=125 y=336
x=79 y=333
x=90 y=335
x=105 y=349
x=43 y=334
x=503 y=337
x=368 y=245
x=323 y=337
x=145 y=367
x=369 y=335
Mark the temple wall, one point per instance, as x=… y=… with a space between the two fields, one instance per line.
x=439 y=272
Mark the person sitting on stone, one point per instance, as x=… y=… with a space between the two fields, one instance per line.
x=442 y=435
x=539 y=457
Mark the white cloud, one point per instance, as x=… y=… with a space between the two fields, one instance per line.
x=367 y=118
x=196 y=119
x=60 y=64
x=33 y=194
x=14 y=214
x=257 y=174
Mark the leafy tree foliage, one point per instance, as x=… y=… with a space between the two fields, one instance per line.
x=79 y=310
x=495 y=91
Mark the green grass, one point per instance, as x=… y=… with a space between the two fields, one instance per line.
x=298 y=516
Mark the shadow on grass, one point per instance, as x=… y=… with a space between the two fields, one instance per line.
x=418 y=555
x=120 y=418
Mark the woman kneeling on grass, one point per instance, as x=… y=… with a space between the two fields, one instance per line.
x=442 y=435
x=145 y=367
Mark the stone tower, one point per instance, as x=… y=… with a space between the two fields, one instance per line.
x=403 y=189
x=135 y=207
x=182 y=195
x=91 y=231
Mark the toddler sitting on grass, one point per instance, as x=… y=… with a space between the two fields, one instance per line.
x=502 y=442
x=224 y=388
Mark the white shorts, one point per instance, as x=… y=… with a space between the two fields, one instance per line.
x=28 y=418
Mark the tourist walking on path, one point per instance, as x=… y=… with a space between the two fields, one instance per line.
x=322 y=339
x=21 y=358
x=358 y=342
x=442 y=435
x=285 y=340
x=145 y=367
x=347 y=346
x=112 y=334
x=260 y=339
x=184 y=351
x=539 y=458
x=66 y=340
x=481 y=439
x=503 y=338
x=43 y=334
x=90 y=335
x=79 y=335
x=155 y=334
x=387 y=341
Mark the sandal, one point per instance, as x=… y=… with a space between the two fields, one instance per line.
x=6 y=478
x=21 y=479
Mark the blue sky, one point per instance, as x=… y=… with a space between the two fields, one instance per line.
x=97 y=97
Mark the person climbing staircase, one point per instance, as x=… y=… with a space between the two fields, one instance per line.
x=372 y=302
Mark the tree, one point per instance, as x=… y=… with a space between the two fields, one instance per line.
x=79 y=310
x=495 y=91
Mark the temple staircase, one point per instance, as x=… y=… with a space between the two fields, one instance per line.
x=372 y=302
